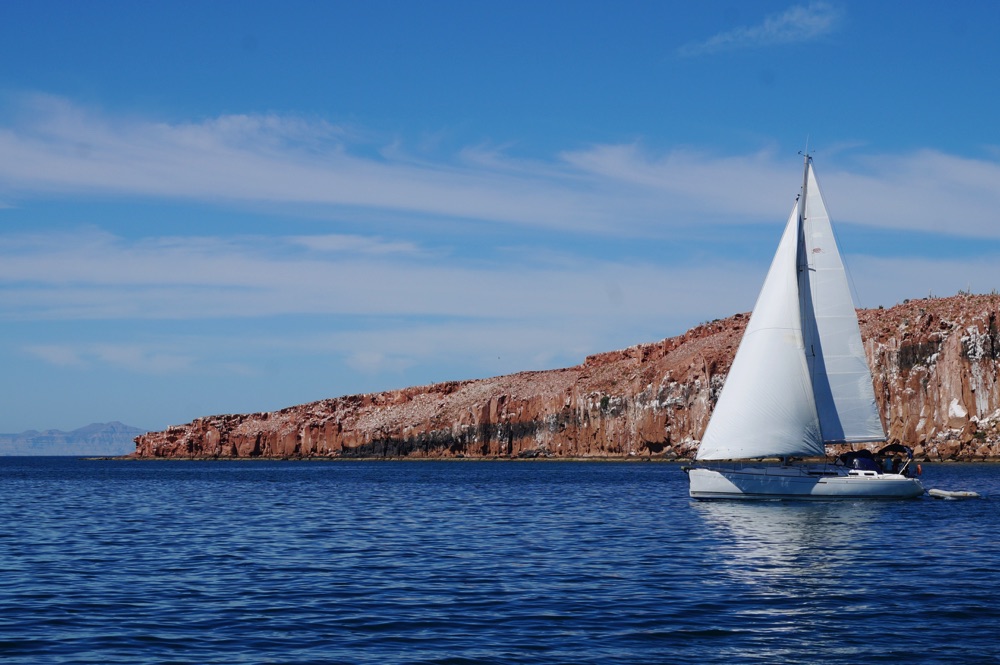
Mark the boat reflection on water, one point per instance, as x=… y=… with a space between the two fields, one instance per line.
x=792 y=572
x=782 y=531
x=775 y=538
x=828 y=581
x=790 y=566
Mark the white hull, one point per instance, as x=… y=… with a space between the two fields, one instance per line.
x=799 y=482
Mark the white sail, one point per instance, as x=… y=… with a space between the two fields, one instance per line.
x=842 y=381
x=766 y=407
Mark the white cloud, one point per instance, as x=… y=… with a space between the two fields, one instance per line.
x=129 y=356
x=384 y=305
x=888 y=281
x=353 y=244
x=139 y=358
x=383 y=318
x=621 y=188
x=728 y=189
x=62 y=148
x=376 y=362
x=924 y=190
x=94 y=275
x=60 y=355
x=921 y=191
x=800 y=23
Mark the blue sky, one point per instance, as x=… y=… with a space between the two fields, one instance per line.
x=239 y=206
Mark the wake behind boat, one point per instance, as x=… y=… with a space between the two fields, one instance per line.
x=799 y=381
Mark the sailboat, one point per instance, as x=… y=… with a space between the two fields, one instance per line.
x=799 y=381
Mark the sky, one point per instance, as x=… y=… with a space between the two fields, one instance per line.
x=231 y=207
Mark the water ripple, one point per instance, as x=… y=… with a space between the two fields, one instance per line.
x=363 y=562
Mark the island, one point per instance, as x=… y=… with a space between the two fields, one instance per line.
x=934 y=362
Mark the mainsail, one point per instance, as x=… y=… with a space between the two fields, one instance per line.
x=799 y=377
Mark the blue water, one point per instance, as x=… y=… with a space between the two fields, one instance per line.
x=480 y=562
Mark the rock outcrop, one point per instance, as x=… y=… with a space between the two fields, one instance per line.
x=935 y=365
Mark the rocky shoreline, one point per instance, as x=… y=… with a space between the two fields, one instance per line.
x=680 y=461
x=935 y=369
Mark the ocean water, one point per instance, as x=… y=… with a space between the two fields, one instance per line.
x=481 y=562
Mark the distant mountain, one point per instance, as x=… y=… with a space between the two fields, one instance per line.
x=94 y=439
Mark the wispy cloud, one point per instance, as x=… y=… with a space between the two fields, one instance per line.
x=380 y=294
x=95 y=275
x=888 y=281
x=60 y=148
x=484 y=321
x=197 y=305
x=801 y=23
x=132 y=357
x=60 y=355
x=924 y=190
x=55 y=146
x=354 y=244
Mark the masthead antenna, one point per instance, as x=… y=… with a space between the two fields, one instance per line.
x=805 y=153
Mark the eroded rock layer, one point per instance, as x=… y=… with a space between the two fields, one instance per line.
x=935 y=366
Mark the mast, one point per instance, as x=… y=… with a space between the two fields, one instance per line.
x=811 y=341
x=807 y=158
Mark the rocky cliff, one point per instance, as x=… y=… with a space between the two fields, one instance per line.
x=935 y=373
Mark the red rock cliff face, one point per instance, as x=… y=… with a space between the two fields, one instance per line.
x=935 y=373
